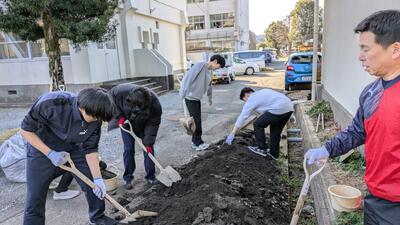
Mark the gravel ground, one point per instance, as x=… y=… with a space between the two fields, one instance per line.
x=172 y=146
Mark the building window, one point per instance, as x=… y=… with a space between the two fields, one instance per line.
x=13 y=47
x=157 y=25
x=195 y=45
x=196 y=23
x=223 y=45
x=222 y=20
x=195 y=1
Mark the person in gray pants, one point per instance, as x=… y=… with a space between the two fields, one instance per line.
x=194 y=85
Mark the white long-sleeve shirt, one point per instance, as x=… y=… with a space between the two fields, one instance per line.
x=262 y=101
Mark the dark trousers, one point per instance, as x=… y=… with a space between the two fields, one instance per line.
x=276 y=123
x=40 y=172
x=66 y=180
x=194 y=108
x=129 y=159
x=378 y=211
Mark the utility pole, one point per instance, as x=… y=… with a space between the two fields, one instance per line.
x=315 y=50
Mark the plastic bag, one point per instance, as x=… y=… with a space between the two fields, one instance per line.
x=13 y=158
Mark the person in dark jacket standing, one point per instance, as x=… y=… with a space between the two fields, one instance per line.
x=194 y=85
x=377 y=121
x=58 y=126
x=142 y=108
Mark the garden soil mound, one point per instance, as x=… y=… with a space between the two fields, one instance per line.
x=227 y=185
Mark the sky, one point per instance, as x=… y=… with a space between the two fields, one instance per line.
x=264 y=12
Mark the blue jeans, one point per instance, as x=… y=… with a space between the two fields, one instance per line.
x=129 y=159
x=40 y=172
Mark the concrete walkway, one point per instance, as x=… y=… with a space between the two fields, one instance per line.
x=172 y=147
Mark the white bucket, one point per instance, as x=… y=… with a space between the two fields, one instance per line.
x=345 y=198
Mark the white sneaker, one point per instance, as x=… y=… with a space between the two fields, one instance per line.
x=65 y=195
x=194 y=146
x=202 y=147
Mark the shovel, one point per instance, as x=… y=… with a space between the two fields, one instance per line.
x=188 y=121
x=128 y=216
x=167 y=175
x=304 y=190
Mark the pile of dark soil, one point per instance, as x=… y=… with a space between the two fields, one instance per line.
x=226 y=185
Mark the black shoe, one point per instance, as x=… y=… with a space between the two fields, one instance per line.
x=104 y=220
x=152 y=181
x=257 y=150
x=128 y=186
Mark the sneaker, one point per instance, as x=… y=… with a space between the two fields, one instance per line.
x=128 y=186
x=104 y=220
x=257 y=150
x=152 y=181
x=65 y=195
x=202 y=147
x=194 y=146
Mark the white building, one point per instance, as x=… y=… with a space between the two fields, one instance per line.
x=343 y=77
x=217 y=25
x=150 y=43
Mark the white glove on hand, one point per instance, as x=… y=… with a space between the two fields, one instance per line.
x=316 y=154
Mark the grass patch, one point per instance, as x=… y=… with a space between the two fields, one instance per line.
x=7 y=134
x=351 y=218
x=355 y=163
x=321 y=107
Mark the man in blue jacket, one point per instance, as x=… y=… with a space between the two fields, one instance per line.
x=61 y=125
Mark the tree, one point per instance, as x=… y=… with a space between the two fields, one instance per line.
x=79 y=21
x=276 y=35
x=302 y=22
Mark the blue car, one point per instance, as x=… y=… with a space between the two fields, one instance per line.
x=299 y=69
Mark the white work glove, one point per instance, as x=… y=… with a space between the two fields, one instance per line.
x=58 y=158
x=229 y=139
x=100 y=190
x=315 y=155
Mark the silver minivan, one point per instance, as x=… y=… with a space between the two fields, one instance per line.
x=252 y=56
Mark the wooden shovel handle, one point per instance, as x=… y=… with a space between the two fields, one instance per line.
x=130 y=131
x=90 y=183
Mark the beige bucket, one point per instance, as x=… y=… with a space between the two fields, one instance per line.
x=345 y=198
x=111 y=179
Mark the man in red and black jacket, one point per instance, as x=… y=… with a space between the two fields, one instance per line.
x=377 y=122
x=142 y=108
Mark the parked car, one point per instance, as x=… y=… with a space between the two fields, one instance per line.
x=252 y=56
x=240 y=66
x=299 y=69
x=226 y=74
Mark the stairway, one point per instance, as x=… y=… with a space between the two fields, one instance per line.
x=155 y=86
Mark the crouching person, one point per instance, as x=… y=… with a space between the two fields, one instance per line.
x=275 y=109
x=142 y=108
x=61 y=125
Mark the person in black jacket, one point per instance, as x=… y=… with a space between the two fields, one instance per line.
x=142 y=108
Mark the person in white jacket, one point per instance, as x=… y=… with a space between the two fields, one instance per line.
x=275 y=109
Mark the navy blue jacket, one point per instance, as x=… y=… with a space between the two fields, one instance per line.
x=56 y=119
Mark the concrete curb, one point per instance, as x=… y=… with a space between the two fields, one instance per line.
x=319 y=186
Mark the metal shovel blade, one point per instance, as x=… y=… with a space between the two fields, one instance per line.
x=163 y=177
x=173 y=174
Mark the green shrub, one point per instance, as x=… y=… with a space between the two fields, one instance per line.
x=355 y=163
x=321 y=107
x=351 y=218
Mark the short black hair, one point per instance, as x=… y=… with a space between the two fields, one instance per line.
x=384 y=24
x=96 y=103
x=244 y=91
x=140 y=97
x=220 y=60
